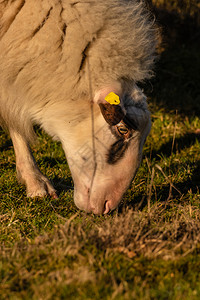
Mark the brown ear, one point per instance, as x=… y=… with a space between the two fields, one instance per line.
x=113 y=114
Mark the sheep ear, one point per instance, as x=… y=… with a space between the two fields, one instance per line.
x=113 y=114
x=111 y=108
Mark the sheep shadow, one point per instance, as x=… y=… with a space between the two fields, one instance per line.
x=62 y=185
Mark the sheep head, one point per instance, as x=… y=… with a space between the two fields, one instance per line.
x=103 y=168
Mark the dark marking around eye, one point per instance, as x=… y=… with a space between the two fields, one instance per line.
x=117 y=151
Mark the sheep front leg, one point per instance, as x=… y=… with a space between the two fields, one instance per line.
x=28 y=173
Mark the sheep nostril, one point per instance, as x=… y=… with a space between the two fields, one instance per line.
x=106 y=207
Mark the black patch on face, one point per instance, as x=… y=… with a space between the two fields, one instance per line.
x=117 y=151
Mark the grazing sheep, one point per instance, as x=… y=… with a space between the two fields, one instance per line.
x=59 y=59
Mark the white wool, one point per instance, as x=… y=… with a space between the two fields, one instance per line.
x=46 y=47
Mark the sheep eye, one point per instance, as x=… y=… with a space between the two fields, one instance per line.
x=122 y=130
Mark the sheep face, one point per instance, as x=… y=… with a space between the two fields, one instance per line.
x=105 y=153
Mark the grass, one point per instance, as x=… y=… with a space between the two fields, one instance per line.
x=149 y=248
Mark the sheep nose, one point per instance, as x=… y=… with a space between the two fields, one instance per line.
x=101 y=210
x=106 y=207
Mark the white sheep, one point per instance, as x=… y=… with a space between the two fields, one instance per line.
x=59 y=59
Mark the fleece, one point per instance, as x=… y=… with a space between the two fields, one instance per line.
x=58 y=51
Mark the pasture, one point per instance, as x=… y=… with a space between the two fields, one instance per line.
x=149 y=248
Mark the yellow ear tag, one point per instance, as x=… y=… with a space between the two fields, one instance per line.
x=112 y=98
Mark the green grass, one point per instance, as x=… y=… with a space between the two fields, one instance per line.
x=149 y=248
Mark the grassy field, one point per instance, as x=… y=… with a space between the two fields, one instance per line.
x=149 y=248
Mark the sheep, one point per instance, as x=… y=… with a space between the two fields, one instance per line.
x=59 y=60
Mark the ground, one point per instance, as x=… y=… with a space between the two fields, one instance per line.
x=149 y=248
